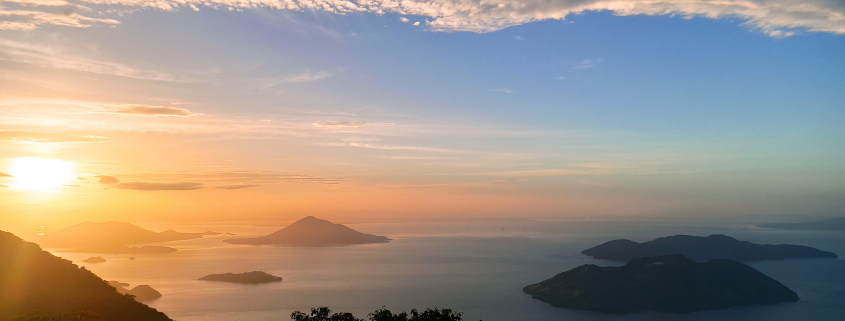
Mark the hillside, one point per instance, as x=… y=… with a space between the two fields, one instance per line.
x=33 y=280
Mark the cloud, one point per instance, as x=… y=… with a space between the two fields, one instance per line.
x=25 y=136
x=391 y=147
x=403 y=19
x=230 y=187
x=587 y=64
x=5 y=175
x=105 y=179
x=31 y=14
x=777 y=18
x=551 y=172
x=53 y=56
x=502 y=90
x=417 y=23
x=518 y=38
x=349 y=124
x=150 y=111
x=182 y=186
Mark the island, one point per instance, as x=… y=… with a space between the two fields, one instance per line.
x=834 y=224
x=111 y=238
x=94 y=259
x=672 y=283
x=311 y=231
x=141 y=293
x=255 y=277
x=34 y=281
x=702 y=248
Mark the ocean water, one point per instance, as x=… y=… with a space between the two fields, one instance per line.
x=478 y=268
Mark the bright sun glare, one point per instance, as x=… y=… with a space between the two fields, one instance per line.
x=40 y=174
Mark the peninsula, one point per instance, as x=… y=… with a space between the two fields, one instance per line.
x=671 y=283
x=702 y=248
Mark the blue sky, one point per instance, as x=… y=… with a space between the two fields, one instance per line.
x=682 y=107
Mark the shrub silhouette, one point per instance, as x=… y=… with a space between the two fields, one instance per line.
x=383 y=314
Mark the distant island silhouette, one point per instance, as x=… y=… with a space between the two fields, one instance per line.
x=672 y=283
x=33 y=281
x=311 y=231
x=94 y=259
x=142 y=293
x=702 y=248
x=112 y=238
x=834 y=224
x=255 y=277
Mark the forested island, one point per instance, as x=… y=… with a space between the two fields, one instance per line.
x=671 y=283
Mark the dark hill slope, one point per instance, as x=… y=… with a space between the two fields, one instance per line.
x=34 y=280
x=311 y=231
x=702 y=248
x=671 y=283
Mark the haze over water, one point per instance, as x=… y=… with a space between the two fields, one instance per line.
x=475 y=267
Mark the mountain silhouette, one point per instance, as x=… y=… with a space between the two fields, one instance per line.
x=33 y=280
x=703 y=249
x=311 y=231
x=110 y=237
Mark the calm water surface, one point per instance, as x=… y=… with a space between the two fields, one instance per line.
x=477 y=267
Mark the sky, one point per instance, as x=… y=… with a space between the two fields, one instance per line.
x=269 y=110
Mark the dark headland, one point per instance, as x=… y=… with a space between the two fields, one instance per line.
x=671 y=283
x=33 y=281
x=311 y=231
x=255 y=277
x=835 y=224
x=702 y=248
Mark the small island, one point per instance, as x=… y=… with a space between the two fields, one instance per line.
x=702 y=248
x=142 y=293
x=311 y=231
x=671 y=283
x=255 y=277
x=94 y=259
x=834 y=224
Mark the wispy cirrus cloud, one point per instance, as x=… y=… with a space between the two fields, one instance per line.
x=776 y=18
x=5 y=175
x=54 y=56
x=587 y=64
x=25 y=136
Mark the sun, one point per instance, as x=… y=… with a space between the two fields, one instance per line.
x=32 y=173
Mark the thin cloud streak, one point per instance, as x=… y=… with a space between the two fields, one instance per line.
x=181 y=186
x=25 y=136
x=233 y=187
